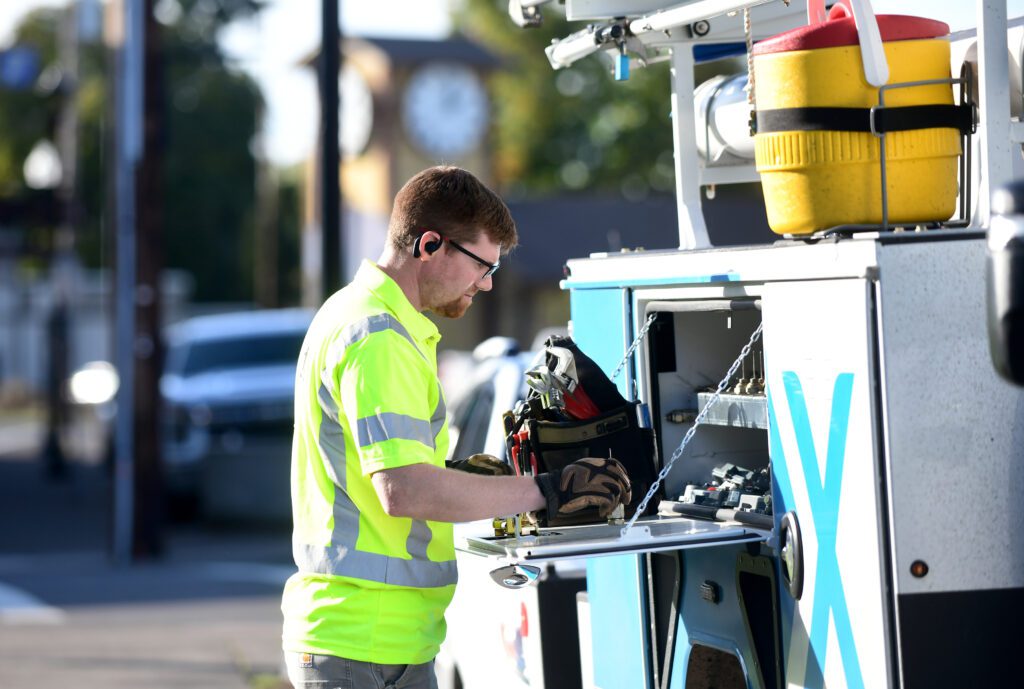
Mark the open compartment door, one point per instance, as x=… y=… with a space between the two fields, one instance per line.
x=592 y=540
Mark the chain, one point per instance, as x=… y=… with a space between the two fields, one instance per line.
x=748 y=35
x=744 y=353
x=632 y=347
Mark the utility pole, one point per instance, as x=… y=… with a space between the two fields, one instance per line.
x=330 y=159
x=265 y=228
x=149 y=507
x=138 y=508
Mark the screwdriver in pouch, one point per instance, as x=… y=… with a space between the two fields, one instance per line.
x=508 y=421
x=530 y=459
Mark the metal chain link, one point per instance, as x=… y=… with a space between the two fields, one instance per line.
x=744 y=353
x=749 y=39
x=632 y=347
x=748 y=35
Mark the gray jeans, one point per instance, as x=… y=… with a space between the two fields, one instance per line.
x=313 y=671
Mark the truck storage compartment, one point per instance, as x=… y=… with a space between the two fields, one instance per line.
x=692 y=345
x=714 y=614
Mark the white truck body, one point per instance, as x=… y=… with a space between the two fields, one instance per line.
x=895 y=449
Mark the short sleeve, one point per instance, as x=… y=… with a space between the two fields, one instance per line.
x=386 y=391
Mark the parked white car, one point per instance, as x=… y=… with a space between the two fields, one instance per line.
x=228 y=389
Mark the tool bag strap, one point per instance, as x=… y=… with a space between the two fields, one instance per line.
x=616 y=433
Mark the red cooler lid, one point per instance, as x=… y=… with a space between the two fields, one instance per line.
x=839 y=30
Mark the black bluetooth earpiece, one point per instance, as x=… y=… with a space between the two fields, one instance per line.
x=429 y=247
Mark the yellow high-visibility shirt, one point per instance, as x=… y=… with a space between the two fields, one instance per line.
x=370 y=587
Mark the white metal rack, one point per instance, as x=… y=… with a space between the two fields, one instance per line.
x=651 y=33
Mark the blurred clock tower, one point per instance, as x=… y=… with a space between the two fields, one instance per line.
x=405 y=105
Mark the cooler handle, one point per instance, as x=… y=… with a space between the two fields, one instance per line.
x=872 y=53
x=815 y=12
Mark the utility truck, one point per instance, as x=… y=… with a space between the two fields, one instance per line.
x=856 y=361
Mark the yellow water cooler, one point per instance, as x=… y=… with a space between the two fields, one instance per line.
x=815 y=150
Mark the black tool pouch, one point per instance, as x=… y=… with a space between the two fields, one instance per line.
x=557 y=444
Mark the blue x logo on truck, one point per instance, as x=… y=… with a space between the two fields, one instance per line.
x=824 y=501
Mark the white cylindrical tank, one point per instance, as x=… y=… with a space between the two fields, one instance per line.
x=722 y=115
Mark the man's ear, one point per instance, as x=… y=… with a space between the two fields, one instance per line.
x=430 y=247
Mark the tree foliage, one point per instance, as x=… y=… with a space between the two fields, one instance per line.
x=210 y=117
x=30 y=115
x=574 y=128
x=27 y=116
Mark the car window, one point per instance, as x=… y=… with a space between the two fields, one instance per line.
x=257 y=350
x=472 y=420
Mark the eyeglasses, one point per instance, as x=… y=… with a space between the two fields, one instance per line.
x=492 y=268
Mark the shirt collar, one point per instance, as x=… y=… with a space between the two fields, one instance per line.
x=372 y=278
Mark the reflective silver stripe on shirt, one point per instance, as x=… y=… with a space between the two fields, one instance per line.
x=391 y=426
x=342 y=558
x=331 y=438
x=419 y=539
x=354 y=332
x=439 y=416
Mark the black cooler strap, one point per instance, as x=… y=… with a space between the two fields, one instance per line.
x=886 y=119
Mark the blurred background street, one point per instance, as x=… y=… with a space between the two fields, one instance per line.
x=204 y=614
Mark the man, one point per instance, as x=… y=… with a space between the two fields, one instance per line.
x=372 y=500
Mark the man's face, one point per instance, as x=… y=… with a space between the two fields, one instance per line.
x=449 y=288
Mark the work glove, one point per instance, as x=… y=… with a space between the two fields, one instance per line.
x=487 y=465
x=588 y=482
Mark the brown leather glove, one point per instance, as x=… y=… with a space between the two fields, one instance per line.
x=588 y=482
x=488 y=465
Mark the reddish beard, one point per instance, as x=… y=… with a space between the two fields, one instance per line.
x=452 y=309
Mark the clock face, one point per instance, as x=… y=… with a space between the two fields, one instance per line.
x=355 y=113
x=445 y=109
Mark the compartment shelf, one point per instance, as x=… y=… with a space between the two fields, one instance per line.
x=740 y=411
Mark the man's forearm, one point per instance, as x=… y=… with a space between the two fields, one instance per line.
x=422 y=491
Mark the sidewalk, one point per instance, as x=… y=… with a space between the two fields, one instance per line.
x=204 y=615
